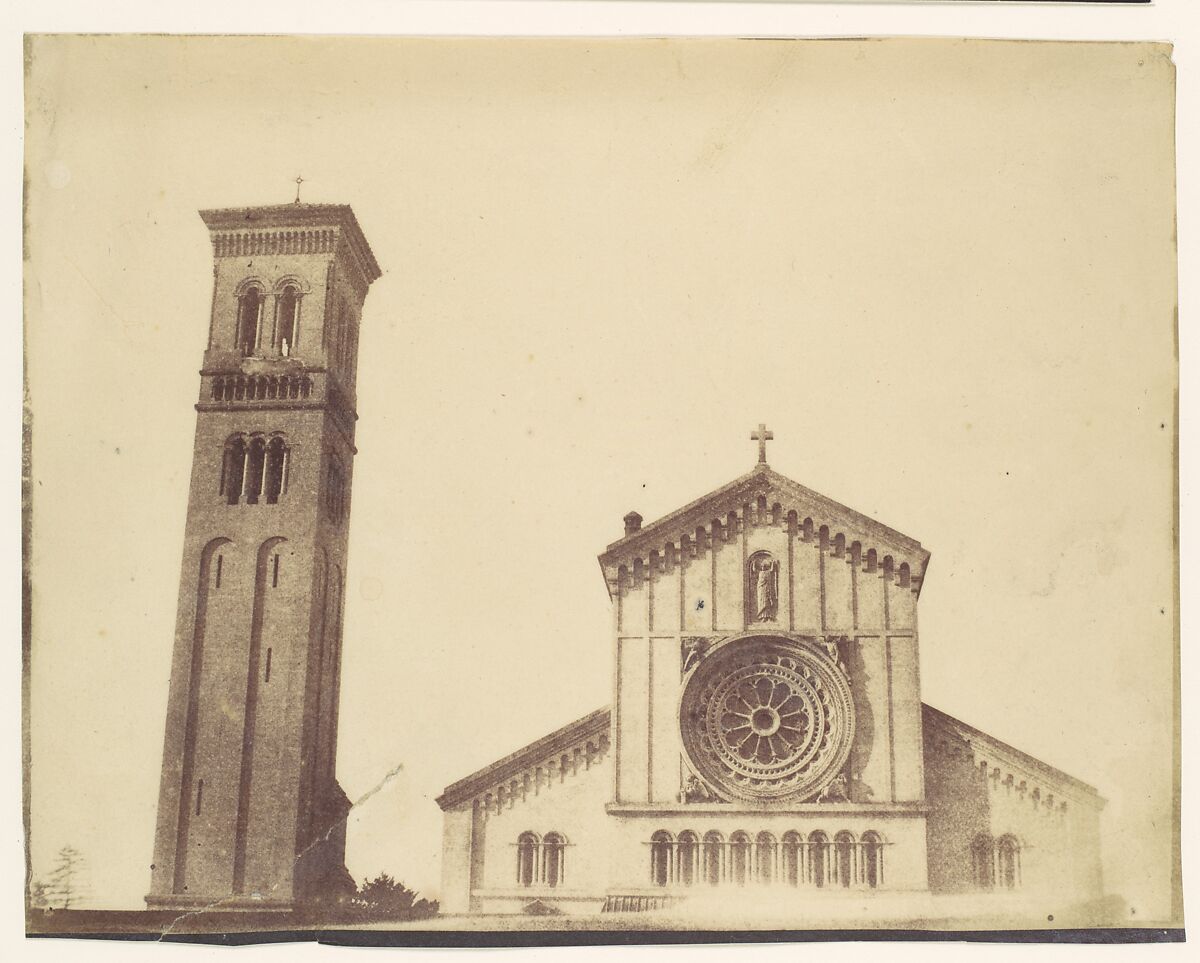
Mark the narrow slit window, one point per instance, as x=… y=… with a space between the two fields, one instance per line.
x=199 y=796
x=267 y=677
x=220 y=559
x=275 y=572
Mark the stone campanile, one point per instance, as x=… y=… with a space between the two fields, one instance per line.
x=250 y=814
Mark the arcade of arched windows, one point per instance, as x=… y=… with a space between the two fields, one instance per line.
x=254 y=469
x=541 y=861
x=792 y=860
x=253 y=333
x=995 y=863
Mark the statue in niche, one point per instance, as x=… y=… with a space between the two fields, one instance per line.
x=764 y=587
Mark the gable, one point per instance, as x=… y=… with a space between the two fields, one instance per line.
x=763 y=496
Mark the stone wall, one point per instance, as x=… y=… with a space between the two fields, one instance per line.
x=1000 y=820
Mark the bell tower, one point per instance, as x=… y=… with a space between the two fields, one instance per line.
x=250 y=815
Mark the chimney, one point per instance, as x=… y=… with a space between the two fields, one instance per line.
x=633 y=523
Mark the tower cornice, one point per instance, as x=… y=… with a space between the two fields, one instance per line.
x=290 y=228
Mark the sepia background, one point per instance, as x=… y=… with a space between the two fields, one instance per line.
x=943 y=273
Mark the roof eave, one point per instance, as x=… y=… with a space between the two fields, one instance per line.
x=480 y=780
x=1025 y=758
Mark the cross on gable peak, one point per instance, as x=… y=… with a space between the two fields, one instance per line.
x=762 y=436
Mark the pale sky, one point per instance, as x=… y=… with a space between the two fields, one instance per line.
x=942 y=272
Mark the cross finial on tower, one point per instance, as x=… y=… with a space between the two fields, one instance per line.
x=299 y=181
x=762 y=436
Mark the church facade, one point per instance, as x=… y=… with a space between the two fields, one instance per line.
x=766 y=739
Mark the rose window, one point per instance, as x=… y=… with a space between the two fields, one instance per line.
x=767 y=718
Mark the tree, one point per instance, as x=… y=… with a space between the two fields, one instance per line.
x=385 y=899
x=66 y=882
x=38 y=898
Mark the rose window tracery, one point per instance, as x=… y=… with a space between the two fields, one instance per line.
x=767 y=718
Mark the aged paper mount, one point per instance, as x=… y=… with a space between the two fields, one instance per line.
x=764 y=327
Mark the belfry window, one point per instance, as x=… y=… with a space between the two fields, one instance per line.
x=276 y=469
x=249 y=317
x=256 y=457
x=254 y=469
x=233 y=469
x=287 y=324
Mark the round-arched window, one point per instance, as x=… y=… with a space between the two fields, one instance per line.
x=249 y=315
x=527 y=852
x=289 y=317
